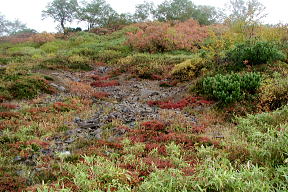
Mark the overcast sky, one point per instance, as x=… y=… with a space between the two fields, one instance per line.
x=29 y=11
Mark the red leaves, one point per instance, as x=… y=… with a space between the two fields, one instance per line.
x=8 y=106
x=110 y=144
x=36 y=110
x=63 y=107
x=159 y=163
x=180 y=104
x=8 y=115
x=100 y=95
x=168 y=83
x=154 y=125
x=160 y=148
x=98 y=77
x=159 y=37
x=105 y=83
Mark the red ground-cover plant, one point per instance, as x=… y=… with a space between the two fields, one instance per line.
x=154 y=125
x=11 y=183
x=198 y=129
x=36 y=110
x=105 y=83
x=8 y=106
x=110 y=144
x=100 y=95
x=168 y=83
x=2 y=127
x=63 y=107
x=2 y=98
x=160 y=148
x=8 y=115
x=98 y=77
x=159 y=163
x=207 y=141
x=159 y=36
x=180 y=104
x=156 y=77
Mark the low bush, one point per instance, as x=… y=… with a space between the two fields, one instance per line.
x=159 y=37
x=188 y=69
x=253 y=54
x=28 y=87
x=75 y=62
x=53 y=46
x=230 y=88
x=42 y=38
x=23 y=51
x=149 y=66
x=273 y=93
x=109 y=56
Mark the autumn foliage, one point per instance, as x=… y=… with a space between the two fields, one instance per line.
x=105 y=83
x=158 y=37
x=180 y=104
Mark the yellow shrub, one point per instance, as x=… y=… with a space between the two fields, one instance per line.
x=271 y=33
x=188 y=69
x=273 y=93
x=77 y=59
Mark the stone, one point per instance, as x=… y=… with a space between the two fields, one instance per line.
x=69 y=140
x=59 y=87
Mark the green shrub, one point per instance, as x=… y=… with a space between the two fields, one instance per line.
x=22 y=51
x=254 y=54
x=54 y=46
x=28 y=87
x=75 y=62
x=230 y=88
x=109 y=56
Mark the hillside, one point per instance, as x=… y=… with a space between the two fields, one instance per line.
x=155 y=106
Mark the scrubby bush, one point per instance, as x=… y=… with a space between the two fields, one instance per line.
x=159 y=37
x=28 y=87
x=148 y=65
x=254 y=54
x=273 y=93
x=75 y=62
x=24 y=51
x=109 y=56
x=42 y=38
x=230 y=88
x=189 y=68
x=54 y=46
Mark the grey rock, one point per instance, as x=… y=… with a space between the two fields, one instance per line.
x=59 y=87
x=86 y=125
x=46 y=151
x=17 y=158
x=69 y=140
x=103 y=69
x=148 y=93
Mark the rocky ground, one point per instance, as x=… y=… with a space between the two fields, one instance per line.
x=121 y=106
